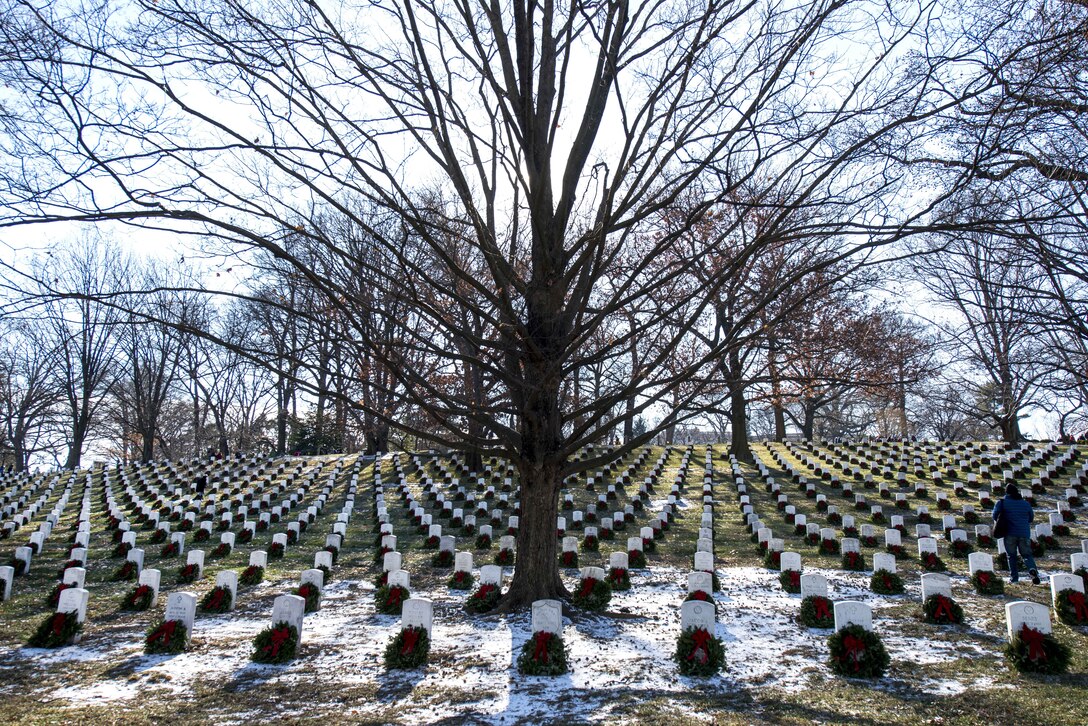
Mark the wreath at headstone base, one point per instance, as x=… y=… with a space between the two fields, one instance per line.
x=942 y=610
x=857 y=653
x=252 y=575
x=592 y=594
x=167 y=636
x=699 y=653
x=790 y=581
x=817 y=612
x=408 y=649
x=1072 y=607
x=218 y=600
x=544 y=654
x=138 y=598
x=987 y=583
x=1031 y=651
x=485 y=598
x=56 y=630
x=277 y=644
x=389 y=600
x=884 y=582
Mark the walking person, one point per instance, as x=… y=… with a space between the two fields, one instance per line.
x=1012 y=521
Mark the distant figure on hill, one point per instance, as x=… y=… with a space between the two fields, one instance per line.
x=1018 y=516
x=200 y=484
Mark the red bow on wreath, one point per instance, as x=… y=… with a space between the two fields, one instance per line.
x=164 y=632
x=855 y=651
x=587 y=587
x=408 y=644
x=700 y=639
x=483 y=592
x=1034 y=641
x=394 y=597
x=279 y=637
x=700 y=595
x=141 y=592
x=795 y=578
x=58 y=622
x=1080 y=608
x=822 y=609
x=944 y=608
x=216 y=600
x=542 y=639
x=983 y=578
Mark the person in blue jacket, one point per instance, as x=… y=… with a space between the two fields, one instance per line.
x=1019 y=515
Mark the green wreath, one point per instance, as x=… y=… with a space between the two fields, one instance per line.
x=857 y=653
x=408 y=649
x=961 y=548
x=443 y=559
x=987 y=583
x=854 y=561
x=125 y=573
x=932 y=563
x=277 y=644
x=544 y=654
x=817 y=612
x=311 y=593
x=218 y=600
x=252 y=575
x=772 y=560
x=1033 y=652
x=168 y=636
x=886 y=583
x=942 y=610
x=53 y=598
x=461 y=580
x=619 y=579
x=1072 y=607
x=636 y=559
x=790 y=580
x=568 y=559
x=592 y=594
x=56 y=630
x=485 y=598
x=389 y=600
x=483 y=542
x=699 y=653
x=188 y=573
x=138 y=598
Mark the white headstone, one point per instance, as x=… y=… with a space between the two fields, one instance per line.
x=980 y=562
x=258 y=558
x=704 y=561
x=618 y=561
x=935 y=583
x=696 y=614
x=74 y=600
x=1064 y=581
x=417 y=613
x=75 y=576
x=228 y=579
x=181 y=606
x=392 y=561
x=790 y=561
x=1032 y=614
x=849 y=612
x=548 y=616
x=289 y=609
x=813 y=584
x=491 y=575
x=152 y=578
x=700 y=581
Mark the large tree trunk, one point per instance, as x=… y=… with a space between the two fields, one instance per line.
x=776 y=392
x=536 y=576
x=147 y=450
x=738 y=421
x=75 y=450
x=808 y=428
x=738 y=409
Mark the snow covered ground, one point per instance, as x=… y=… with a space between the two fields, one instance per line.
x=471 y=672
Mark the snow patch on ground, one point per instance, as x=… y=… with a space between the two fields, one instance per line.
x=472 y=668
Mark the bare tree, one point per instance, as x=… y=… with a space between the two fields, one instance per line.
x=557 y=133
